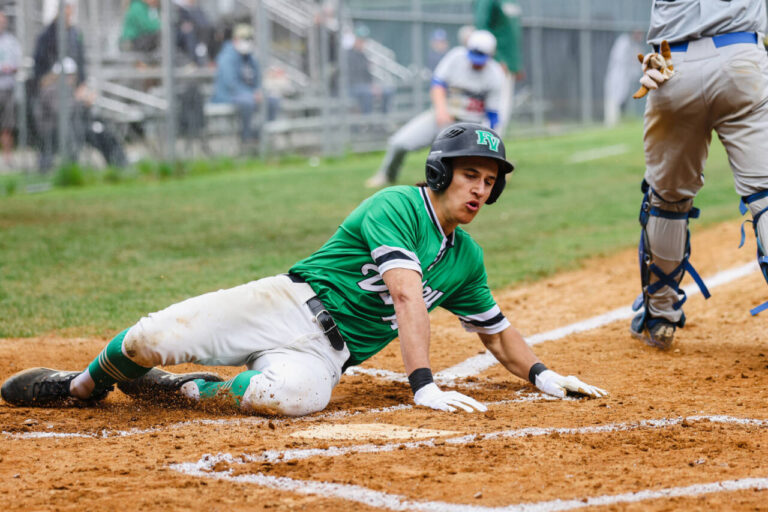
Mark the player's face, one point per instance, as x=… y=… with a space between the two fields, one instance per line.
x=473 y=179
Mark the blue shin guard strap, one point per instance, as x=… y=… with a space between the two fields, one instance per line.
x=754 y=197
x=759 y=309
x=697 y=278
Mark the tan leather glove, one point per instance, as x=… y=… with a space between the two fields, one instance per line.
x=657 y=69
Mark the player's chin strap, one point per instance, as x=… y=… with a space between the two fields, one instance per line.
x=762 y=258
x=647 y=267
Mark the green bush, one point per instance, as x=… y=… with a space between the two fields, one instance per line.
x=70 y=175
x=10 y=187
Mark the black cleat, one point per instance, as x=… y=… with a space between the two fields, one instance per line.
x=43 y=387
x=656 y=332
x=158 y=384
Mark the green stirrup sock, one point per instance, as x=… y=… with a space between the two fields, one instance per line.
x=232 y=389
x=111 y=365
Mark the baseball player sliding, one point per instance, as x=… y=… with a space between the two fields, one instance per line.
x=400 y=254
x=466 y=86
x=708 y=71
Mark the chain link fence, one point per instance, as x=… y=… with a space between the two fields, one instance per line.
x=153 y=89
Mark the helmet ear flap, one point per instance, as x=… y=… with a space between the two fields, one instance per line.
x=498 y=188
x=439 y=173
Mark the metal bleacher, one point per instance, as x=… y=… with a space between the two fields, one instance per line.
x=131 y=96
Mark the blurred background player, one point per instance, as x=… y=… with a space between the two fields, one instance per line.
x=719 y=82
x=502 y=19
x=466 y=86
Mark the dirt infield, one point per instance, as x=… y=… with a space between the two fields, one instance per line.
x=685 y=429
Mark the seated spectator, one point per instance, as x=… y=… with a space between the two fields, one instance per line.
x=238 y=78
x=361 y=83
x=194 y=31
x=48 y=72
x=359 y=72
x=141 y=26
x=10 y=60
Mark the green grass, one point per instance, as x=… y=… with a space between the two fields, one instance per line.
x=93 y=259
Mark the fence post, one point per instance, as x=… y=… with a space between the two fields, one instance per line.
x=167 y=42
x=63 y=117
x=585 y=67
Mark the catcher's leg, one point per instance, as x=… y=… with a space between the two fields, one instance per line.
x=758 y=205
x=663 y=252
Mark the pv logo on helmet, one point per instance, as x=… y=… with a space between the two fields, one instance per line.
x=487 y=139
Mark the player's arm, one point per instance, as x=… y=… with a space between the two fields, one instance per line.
x=412 y=317
x=405 y=289
x=511 y=350
x=439 y=95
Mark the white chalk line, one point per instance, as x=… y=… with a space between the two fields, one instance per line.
x=378 y=499
x=597 y=153
x=523 y=396
x=277 y=456
x=205 y=468
x=481 y=362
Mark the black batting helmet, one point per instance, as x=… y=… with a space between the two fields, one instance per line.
x=466 y=139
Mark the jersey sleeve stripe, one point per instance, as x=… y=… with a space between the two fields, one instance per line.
x=490 y=329
x=382 y=252
x=439 y=83
x=489 y=322
x=407 y=264
x=391 y=256
x=494 y=312
x=483 y=323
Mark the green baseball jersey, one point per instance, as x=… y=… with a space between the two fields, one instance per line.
x=502 y=19
x=397 y=228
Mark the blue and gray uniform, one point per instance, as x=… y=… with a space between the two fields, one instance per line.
x=473 y=95
x=721 y=84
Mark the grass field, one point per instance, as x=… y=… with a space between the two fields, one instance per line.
x=91 y=260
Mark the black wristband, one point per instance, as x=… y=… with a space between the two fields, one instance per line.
x=534 y=371
x=419 y=378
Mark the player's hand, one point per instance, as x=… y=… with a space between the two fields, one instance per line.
x=435 y=398
x=552 y=383
x=657 y=69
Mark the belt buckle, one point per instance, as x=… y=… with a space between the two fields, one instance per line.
x=323 y=323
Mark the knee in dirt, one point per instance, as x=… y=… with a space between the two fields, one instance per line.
x=286 y=392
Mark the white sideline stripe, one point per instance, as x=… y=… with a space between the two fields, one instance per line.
x=375 y=372
x=481 y=362
x=531 y=397
x=398 y=502
x=207 y=461
x=597 y=153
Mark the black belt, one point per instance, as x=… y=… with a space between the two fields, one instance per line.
x=323 y=317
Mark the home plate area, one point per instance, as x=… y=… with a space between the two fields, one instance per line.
x=685 y=429
x=471 y=472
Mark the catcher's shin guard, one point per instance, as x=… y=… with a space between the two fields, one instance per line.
x=669 y=236
x=757 y=204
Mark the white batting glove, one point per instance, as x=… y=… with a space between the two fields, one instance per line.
x=435 y=398
x=552 y=383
